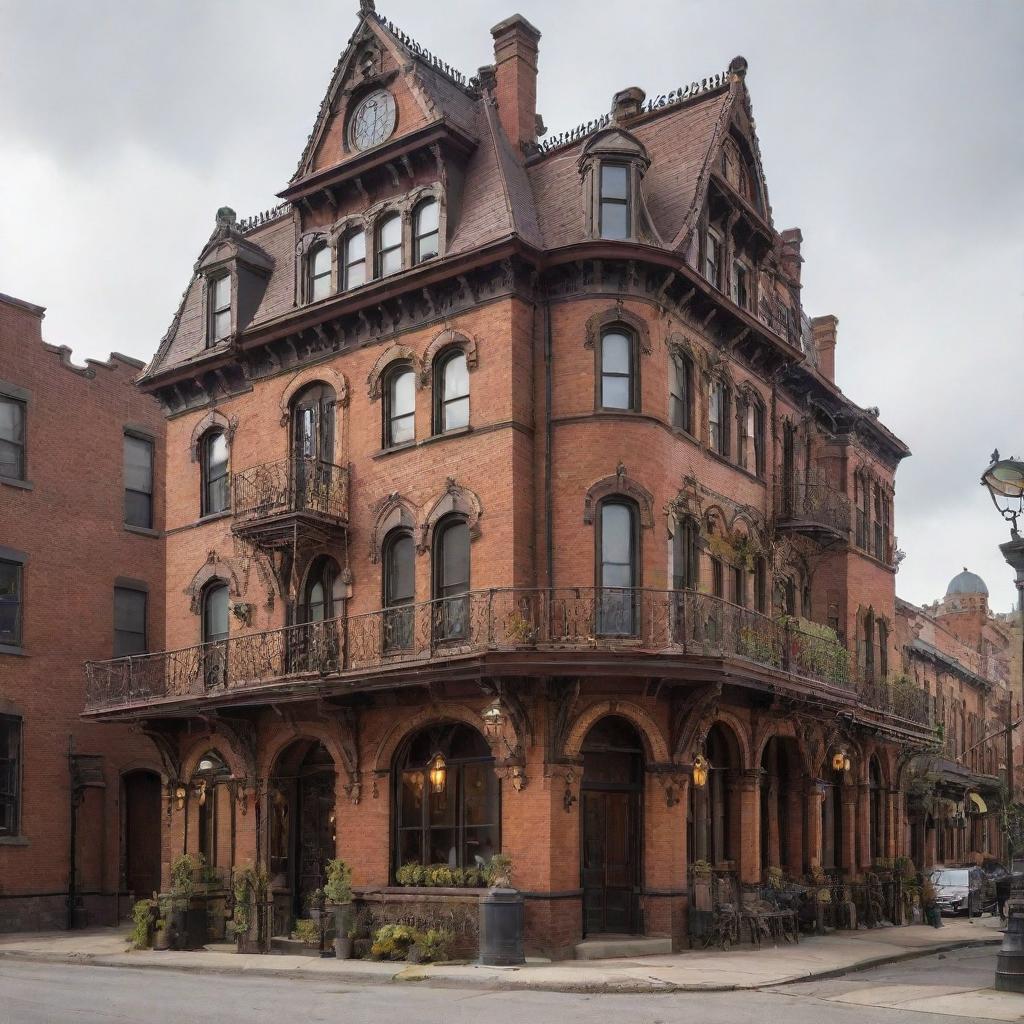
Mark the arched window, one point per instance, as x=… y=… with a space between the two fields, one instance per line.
x=617 y=370
x=215 y=633
x=681 y=392
x=389 y=245
x=447 y=804
x=313 y=414
x=318 y=267
x=354 y=267
x=399 y=406
x=426 y=234
x=214 y=462
x=451 y=392
x=615 y=211
x=323 y=594
x=451 y=579
x=399 y=590
x=718 y=417
x=617 y=569
x=208 y=785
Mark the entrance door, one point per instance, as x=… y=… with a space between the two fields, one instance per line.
x=610 y=862
x=142 y=833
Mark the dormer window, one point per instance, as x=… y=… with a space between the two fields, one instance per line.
x=354 y=269
x=713 y=257
x=220 y=308
x=614 y=210
x=389 y=245
x=426 y=234
x=319 y=270
x=740 y=284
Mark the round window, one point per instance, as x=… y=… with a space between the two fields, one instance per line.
x=373 y=120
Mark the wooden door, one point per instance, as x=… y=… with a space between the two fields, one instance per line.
x=142 y=833
x=610 y=875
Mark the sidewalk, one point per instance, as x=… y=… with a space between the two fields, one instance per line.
x=815 y=957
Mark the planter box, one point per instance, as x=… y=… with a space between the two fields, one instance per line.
x=424 y=907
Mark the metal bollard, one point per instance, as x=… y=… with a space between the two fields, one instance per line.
x=1010 y=961
x=501 y=928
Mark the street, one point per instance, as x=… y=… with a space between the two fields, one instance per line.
x=938 y=988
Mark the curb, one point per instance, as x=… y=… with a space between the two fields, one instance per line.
x=412 y=973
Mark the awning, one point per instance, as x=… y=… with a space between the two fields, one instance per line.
x=980 y=807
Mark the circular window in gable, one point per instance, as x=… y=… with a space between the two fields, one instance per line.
x=373 y=120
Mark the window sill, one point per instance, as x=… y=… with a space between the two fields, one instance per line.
x=14 y=841
x=212 y=517
x=454 y=432
x=384 y=452
x=17 y=651
x=21 y=485
x=143 y=531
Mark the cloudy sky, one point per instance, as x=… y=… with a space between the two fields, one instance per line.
x=890 y=132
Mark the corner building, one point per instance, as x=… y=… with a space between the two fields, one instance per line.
x=513 y=461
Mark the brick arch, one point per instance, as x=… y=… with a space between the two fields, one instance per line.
x=221 y=746
x=622 y=485
x=314 y=375
x=391 y=740
x=655 y=743
x=393 y=511
x=214 y=568
x=781 y=729
x=316 y=731
x=618 y=314
x=143 y=764
x=391 y=355
x=456 y=498
x=448 y=338
x=213 y=420
x=740 y=735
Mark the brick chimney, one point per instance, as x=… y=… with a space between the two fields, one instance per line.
x=515 y=60
x=823 y=331
x=792 y=238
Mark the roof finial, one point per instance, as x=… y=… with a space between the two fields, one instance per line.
x=227 y=216
x=367 y=7
x=738 y=68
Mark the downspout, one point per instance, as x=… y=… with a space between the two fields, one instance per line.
x=549 y=545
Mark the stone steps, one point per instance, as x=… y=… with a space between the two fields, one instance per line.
x=610 y=947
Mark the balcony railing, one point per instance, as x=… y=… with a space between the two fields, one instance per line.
x=813 y=503
x=291 y=485
x=579 y=619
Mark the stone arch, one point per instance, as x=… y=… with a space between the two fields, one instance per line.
x=619 y=484
x=389 y=743
x=448 y=338
x=214 y=568
x=391 y=512
x=314 y=375
x=618 y=314
x=213 y=420
x=456 y=498
x=655 y=743
x=679 y=342
x=394 y=354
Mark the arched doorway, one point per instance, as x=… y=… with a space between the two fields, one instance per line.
x=302 y=827
x=712 y=825
x=141 y=859
x=781 y=806
x=613 y=765
x=833 y=831
x=213 y=799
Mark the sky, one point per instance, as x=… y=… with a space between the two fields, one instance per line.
x=890 y=134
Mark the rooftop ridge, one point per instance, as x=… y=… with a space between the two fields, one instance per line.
x=676 y=97
x=423 y=54
x=257 y=220
x=63 y=353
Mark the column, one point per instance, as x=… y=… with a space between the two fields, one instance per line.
x=750 y=827
x=774 y=848
x=847 y=857
x=795 y=803
x=862 y=828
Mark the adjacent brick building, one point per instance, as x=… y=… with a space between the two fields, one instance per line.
x=510 y=493
x=77 y=579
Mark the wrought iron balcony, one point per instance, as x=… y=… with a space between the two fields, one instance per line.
x=813 y=507
x=274 y=494
x=578 y=621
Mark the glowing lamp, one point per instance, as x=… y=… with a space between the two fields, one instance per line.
x=840 y=762
x=701 y=767
x=438 y=774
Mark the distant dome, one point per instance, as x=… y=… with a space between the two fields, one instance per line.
x=967 y=583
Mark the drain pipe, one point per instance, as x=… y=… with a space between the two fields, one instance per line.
x=549 y=544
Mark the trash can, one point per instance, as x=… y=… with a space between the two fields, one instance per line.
x=1010 y=961
x=501 y=928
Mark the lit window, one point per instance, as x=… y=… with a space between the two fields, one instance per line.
x=614 y=201
x=616 y=370
x=400 y=407
x=713 y=257
x=220 y=308
x=129 y=622
x=354 y=273
x=425 y=231
x=740 y=284
x=12 y=438
x=453 y=394
x=10 y=604
x=389 y=245
x=319 y=273
x=215 y=495
x=138 y=482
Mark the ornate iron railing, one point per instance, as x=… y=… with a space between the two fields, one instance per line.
x=582 y=619
x=291 y=485
x=812 y=500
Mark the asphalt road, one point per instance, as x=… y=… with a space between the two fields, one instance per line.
x=32 y=993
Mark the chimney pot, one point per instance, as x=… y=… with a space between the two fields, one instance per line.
x=627 y=102
x=823 y=333
x=792 y=238
x=515 y=61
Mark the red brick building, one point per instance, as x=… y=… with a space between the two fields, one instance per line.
x=81 y=574
x=508 y=480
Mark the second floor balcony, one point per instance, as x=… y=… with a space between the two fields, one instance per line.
x=668 y=634
x=811 y=506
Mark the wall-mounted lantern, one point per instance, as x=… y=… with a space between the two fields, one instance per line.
x=701 y=769
x=438 y=773
x=494 y=718
x=840 y=761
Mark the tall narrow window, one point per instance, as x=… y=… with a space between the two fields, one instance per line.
x=740 y=284
x=389 y=245
x=215 y=634
x=10 y=603
x=451 y=392
x=713 y=257
x=618 y=569
x=451 y=579
x=12 y=438
x=614 y=201
x=616 y=370
x=742 y=432
x=354 y=269
x=869 y=648
x=860 y=490
x=755 y=429
x=10 y=775
x=685 y=564
x=883 y=650
x=220 y=308
x=681 y=393
x=879 y=546
x=320 y=273
x=138 y=481
x=129 y=622
x=399 y=590
x=426 y=235
x=215 y=496
x=718 y=417
x=400 y=407
x=717 y=578
x=761 y=586
x=739 y=586
x=322 y=598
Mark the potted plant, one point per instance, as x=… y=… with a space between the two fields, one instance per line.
x=343 y=944
x=337 y=894
x=307 y=931
x=188 y=922
x=162 y=933
x=250 y=889
x=931 y=909
x=499 y=871
x=142 y=929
